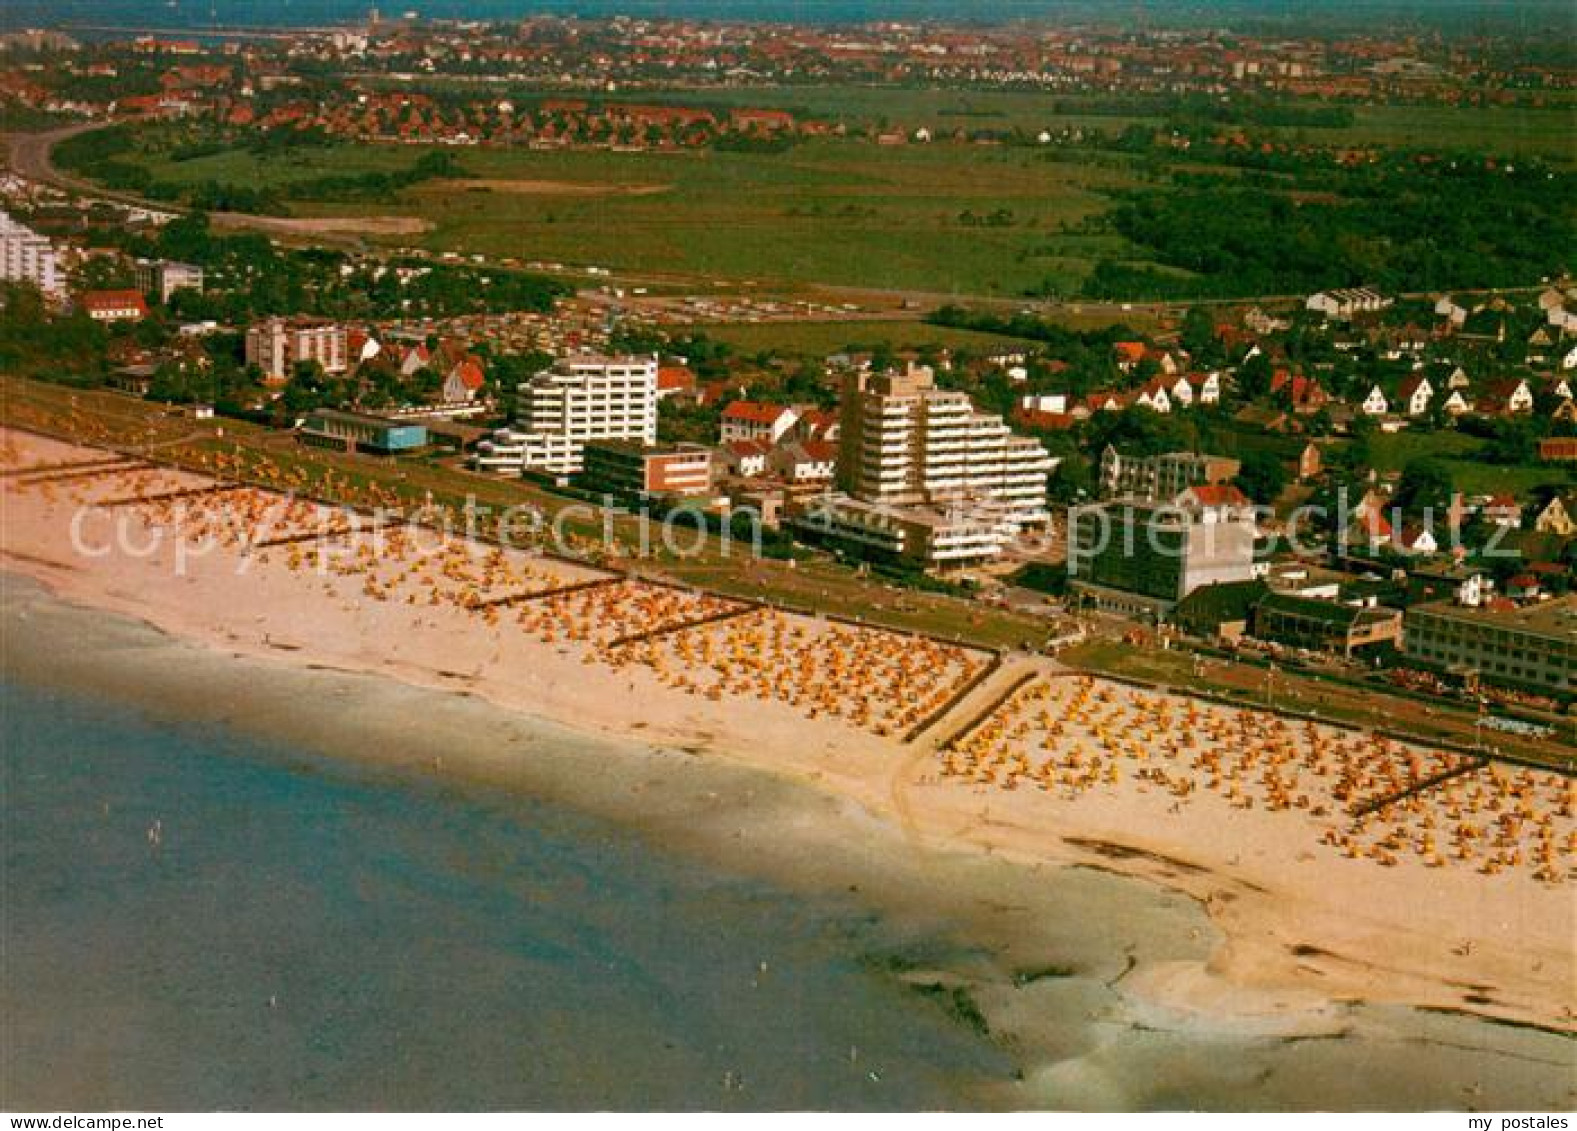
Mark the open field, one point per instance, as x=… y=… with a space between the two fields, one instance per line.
x=817 y=339
x=1507 y=129
x=1456 y=450
x=1518 y=131
x=829 y=211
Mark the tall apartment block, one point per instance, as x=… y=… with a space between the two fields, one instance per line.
x=277 y=345
x=578 y=400
x=905 y=442
x=27 y=257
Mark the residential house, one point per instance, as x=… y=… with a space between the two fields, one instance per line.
x=1105 y=401
x=746 y=458
x=674 y=381
x=1524 y=587
x=1153 y=396
x=1558 y=516
x=1506 y=397
x=753 y=420
x=464 y=382
x=1375 y=404
x=1304 y=395
x=1414 y=394
x=1503 y=510
x=819 y=424
x=1206 y=387
x=1370 y=529
x=1447 y=308
x=113 y=306
x=1128 y=355
x=806 y=461
x=412 y=359
x=1556 y=388
x=1457 y=403
x=1310 y=463
x=1417 y=540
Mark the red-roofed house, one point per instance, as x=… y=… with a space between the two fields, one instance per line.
x=752 y=420
x=1414 y=394
x=809 y=461
x=412 y=360
x=1128 y=354
x=674 y=380
x=819 y=424
x=1213 y=499
x=113 y=306
x=1304 y=395
x=1101 y=402
x=746 y=458
x=1374 y=529
x=1502 y=510
x=1154 y=396
x=464 y=382
x=1506 y=397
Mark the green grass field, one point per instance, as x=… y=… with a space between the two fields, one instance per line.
x=838 y=212
x=842 y=212
x=1457 y=451
x=817 y=339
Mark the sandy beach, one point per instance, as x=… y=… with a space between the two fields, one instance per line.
x=1456 y=899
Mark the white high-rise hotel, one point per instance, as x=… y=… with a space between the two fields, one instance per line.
x=580 y=399
x=27 y=257
x=907 y=443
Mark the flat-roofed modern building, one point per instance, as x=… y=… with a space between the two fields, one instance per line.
x=1326 y=626
x=931 y=537
x=159 y=279
x=628 y=469
x=1533 y=647
x=1163 y=476
x=357 y=432
x=27 y=257
x=905 y=442
x=1138 y=558
x=578 y=400
x=277 y=345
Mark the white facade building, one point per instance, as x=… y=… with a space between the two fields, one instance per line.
x=906 y=442
x=580 y=399
x=27 y=257
x=277 y=345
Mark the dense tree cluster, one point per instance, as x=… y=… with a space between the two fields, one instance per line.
x=1405 y=225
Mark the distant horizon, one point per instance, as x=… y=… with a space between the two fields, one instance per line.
x=1247 y=14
